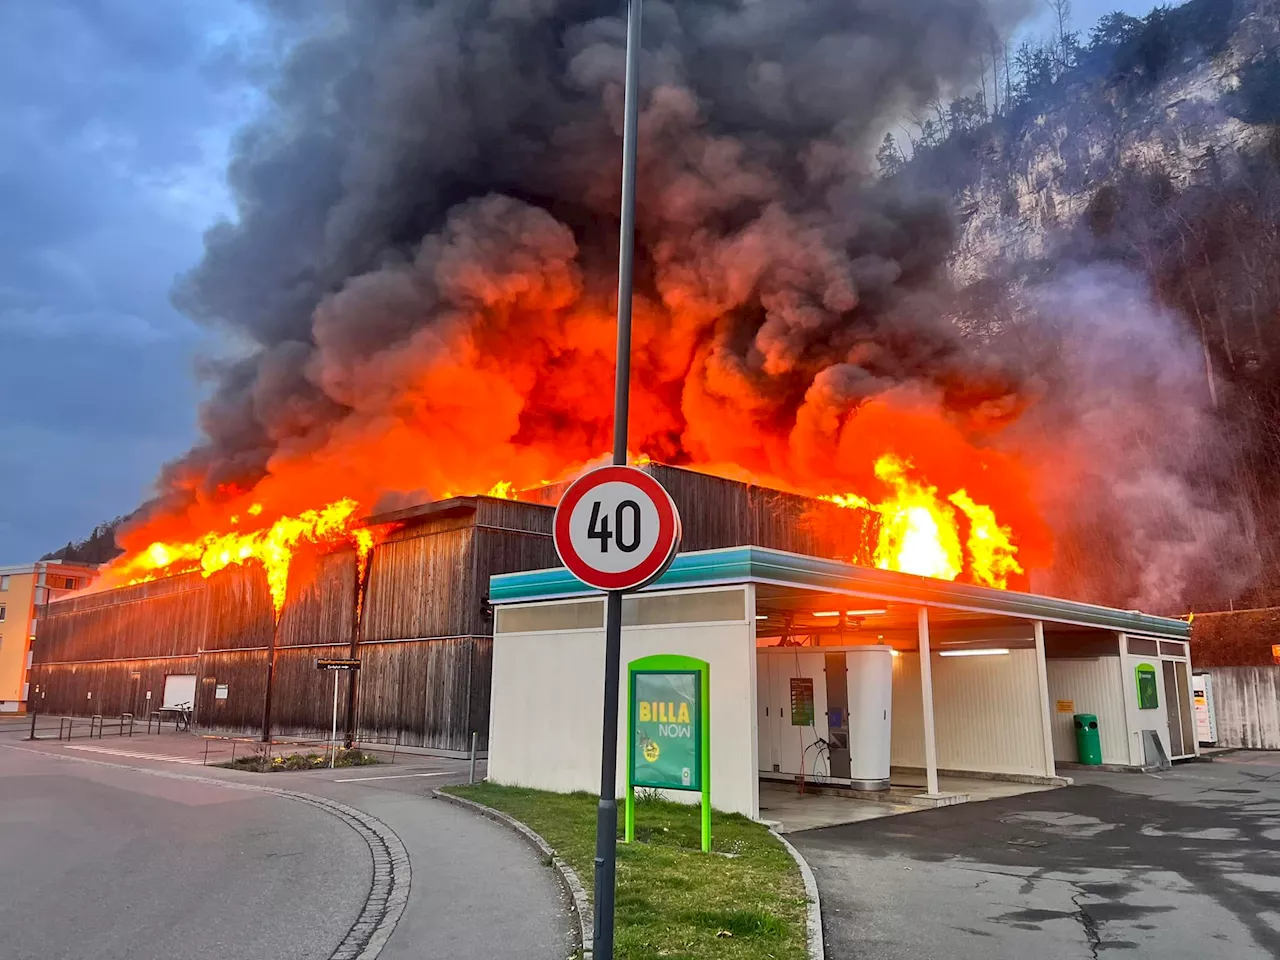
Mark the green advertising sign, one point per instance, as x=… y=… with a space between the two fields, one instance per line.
x=668 y=731
x=1148 y=691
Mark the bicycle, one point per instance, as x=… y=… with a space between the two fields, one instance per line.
x=182 y=719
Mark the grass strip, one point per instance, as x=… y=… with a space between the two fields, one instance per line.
x=743 y=901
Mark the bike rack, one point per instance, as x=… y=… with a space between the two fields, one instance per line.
x=96 y=719
x=66 y=723
x=122 y=716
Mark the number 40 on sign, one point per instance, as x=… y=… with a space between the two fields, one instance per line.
x=616 y=528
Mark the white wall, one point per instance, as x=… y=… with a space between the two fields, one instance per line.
x=1246 y=703
x=547 y=702
x=986 y=713
x=1093 y=684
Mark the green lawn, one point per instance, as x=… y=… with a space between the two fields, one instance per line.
x=743 y=901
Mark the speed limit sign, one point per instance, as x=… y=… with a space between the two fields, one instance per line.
x=616 y=528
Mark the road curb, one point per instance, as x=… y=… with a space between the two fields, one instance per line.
x=392 y=873
x=813 y=919
x=568 y=876
x=392 y=877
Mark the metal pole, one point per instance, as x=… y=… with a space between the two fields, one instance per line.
x=32 y=736
x=475 y=740
x=607 y=812
x=333 y=738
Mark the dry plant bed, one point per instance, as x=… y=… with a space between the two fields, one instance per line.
x=743 y=901
x=257 y=762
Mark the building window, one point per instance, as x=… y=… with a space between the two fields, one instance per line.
x=4 y=582
x=71 y=583
x=1 y=613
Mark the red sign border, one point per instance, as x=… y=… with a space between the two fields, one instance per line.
x=648 y=569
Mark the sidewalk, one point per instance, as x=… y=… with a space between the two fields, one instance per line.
x=478 y=891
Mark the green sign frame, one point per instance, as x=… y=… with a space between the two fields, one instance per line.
x=648 y=723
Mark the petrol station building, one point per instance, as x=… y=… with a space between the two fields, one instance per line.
x=907 y=676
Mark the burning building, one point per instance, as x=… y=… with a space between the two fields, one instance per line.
x=419 y=282
x=406 y=592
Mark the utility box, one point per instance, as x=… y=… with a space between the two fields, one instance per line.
x=870 y=685
x=826 y=714
x=1088 y=742
x=1206 y=716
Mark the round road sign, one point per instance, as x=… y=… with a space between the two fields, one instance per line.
x=616 y=528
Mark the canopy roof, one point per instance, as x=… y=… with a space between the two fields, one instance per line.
x=791 y=580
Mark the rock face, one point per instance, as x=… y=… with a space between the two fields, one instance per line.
x=1208 y=98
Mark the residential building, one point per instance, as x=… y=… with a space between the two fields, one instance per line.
x=23 y=588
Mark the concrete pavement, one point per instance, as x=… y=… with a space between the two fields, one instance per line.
x=477 y=890
x=1179 y=865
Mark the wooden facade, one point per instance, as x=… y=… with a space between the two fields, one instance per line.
x=424 y=634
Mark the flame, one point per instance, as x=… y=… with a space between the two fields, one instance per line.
x=273 y=546
x=992 y=554
x=503 y=490
x=920 y=532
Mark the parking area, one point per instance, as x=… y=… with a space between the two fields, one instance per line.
x=1180 y=864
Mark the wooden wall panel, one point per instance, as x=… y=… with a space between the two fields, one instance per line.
x=505 y=551
x=319 y=602
x=153 y=623
x=431 y=693
x=302 y=704
x=240 y=611
x=80 y=602
x=245 y=674
x=118 y=686
x=514 y=515
x=421 y=587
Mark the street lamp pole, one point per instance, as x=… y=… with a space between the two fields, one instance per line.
x=607 y=811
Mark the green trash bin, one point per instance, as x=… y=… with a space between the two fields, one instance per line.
x=1088 y=744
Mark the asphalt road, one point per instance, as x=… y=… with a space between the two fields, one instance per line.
x=107 y=863
x=1185 y=864
x=478 y=891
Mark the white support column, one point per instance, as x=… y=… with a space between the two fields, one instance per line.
x=1046 y=721
x=753 y=672
x=926 y=700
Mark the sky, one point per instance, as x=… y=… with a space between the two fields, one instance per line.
x=117 y=115
x=117 y=119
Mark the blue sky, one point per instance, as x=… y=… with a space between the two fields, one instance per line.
x=117 y=115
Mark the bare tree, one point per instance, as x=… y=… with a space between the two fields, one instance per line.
x=1064 y=42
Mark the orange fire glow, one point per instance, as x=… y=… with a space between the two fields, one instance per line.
x=920 y=532
x=516 y=397
x=273 y=546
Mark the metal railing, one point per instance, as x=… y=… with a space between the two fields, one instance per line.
x=216 y=752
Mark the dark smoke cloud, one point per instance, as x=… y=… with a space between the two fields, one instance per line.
x=1134 y=461
x=416 y=147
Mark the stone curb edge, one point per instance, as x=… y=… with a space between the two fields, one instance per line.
x=392 y=874
x=813 y=923
x=582 y=906
x=568 y=876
